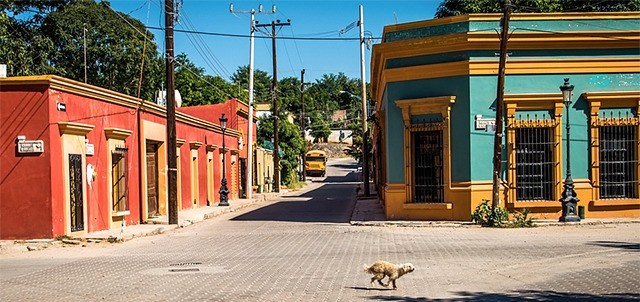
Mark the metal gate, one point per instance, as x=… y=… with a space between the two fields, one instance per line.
x=618 y=162
x=75 y=192
x=243 y=178
x=152 y=179
x=428 y=181
x=534 y=163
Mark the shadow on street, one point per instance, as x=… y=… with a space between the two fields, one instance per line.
x=332 y=202
x=530 y=295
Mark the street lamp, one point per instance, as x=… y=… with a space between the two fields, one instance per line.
x=224 y=191
x=569 y=197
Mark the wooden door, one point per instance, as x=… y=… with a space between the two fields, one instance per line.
x=152 y=179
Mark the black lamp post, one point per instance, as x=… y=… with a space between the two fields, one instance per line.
x=224 y=191
x=569 y=197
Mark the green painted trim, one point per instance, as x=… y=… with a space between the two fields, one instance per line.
x=573 y=25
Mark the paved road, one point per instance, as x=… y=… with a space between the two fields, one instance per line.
x=301 y=248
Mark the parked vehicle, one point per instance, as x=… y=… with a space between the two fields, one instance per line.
x=316 y=163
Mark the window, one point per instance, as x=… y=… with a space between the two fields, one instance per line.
x=119 y=179
x=534 y=164
x=615 y=127
x=534 y=167
x=428 y=185
x=618 y=162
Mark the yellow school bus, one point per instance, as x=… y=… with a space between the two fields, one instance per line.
x=316 y=163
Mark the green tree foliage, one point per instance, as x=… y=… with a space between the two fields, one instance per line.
x=197 y=88
x=462 y=7
x=115 y=44
x=47 y=37
x=262 y=83
x=290 y=144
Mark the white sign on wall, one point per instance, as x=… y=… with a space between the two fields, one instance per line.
x=29 y=146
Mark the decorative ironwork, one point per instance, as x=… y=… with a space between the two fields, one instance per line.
x=75 y=193
x=534 y=164
x=618 y=161
x=428 y=178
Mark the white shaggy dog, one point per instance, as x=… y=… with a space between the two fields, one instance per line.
x=381 y=268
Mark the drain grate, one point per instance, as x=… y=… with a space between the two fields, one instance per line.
x=186 y=264
x=177 y=270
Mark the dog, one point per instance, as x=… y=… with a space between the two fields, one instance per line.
x=381 y=269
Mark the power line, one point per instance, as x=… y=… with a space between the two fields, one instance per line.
x=262 y=37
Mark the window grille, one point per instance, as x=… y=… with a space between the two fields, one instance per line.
x=534 y=164
x=428 y=167
x=618 y=162
x=119 y=179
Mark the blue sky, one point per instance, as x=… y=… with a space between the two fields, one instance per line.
x=221 y=55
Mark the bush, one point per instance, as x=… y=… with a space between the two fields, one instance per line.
x=521 y=220
x=487 y=215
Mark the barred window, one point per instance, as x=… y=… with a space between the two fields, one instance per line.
x=618 y=162
x=119 y=179
x=534 y=163
x=428 y=181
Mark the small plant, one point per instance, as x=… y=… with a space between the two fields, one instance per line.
x=521 y=219
x=487 y=215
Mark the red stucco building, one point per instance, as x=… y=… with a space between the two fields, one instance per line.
x=75 y=158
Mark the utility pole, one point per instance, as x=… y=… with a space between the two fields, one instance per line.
x=274 y=97
x=497 y=143
x=84 y=37
x=252 y=30
x=171 y=115
x=365 y=149
x=304 y=147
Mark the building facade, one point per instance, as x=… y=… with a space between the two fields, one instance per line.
x=78 y=158
x=434 y=83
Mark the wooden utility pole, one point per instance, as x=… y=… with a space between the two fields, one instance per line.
x=171 y=115
x=304 y=147
x=252 y=30
x=497 y=143
x=274 y=107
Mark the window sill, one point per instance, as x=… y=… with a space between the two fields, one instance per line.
x=120 y=214
x=537 y=204
x=616 y=202
x=428 y=206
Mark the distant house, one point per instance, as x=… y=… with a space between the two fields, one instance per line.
x=434 y=84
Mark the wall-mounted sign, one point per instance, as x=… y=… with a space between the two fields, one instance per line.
x=487 y=124
x=30 y=146
x=61 y=106
x=90 y=149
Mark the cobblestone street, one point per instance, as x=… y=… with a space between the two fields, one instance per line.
x=302 y=248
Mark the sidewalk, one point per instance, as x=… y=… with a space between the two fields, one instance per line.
x=369 y=212
x=160 y=224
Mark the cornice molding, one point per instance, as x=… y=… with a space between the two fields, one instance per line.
x=74 y=128
x=117 y=133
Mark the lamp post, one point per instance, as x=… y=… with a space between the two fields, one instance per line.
x=224 y=191
x=569 y=197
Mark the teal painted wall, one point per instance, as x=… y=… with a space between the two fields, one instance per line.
x=515 y=26
x=519 y=54
x=457 y=86
x=483 y=92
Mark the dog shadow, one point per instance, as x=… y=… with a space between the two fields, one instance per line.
x=368 y=288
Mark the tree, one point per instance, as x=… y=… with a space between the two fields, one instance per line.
x=261 y=83
x=197 y=88
x=462 y=7
x=115 y=44
x=291 y=144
